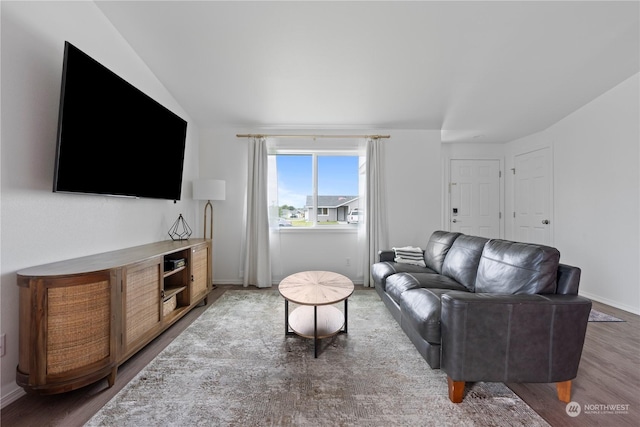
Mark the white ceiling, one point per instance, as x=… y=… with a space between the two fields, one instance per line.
x=479 y=71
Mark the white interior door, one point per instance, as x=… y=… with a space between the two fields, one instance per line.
x=474 y=197
x=532 y=198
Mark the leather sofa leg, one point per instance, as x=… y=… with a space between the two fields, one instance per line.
x=456 y=390
x=564 y=391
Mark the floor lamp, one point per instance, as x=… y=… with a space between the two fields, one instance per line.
x=208 y=189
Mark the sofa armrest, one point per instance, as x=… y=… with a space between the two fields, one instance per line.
x=568 y=279
x=512 y=338
x=386 y=255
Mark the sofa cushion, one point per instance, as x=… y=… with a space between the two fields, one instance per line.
x=397 y=284
x=409 y=255
x=437 y=249
x=517 y=268
x=461 y=263
x=380 y=271
x=421 y=310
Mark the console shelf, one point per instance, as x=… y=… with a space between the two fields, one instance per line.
x=172 y=272
x=169 y=292
x=82 y=318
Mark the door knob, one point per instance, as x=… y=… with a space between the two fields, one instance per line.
x=545 y=221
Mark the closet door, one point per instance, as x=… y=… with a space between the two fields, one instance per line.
x=533 y=197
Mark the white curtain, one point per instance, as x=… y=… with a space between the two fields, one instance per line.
x=257 y=258
x=275 y=239
x=375 y=224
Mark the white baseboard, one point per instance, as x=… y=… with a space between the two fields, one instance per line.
x=228 y=282
x=11 y=397
x=616 y=304
x=275 y=283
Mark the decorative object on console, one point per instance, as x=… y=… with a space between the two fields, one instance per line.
x=209 y=189
x=180 y=230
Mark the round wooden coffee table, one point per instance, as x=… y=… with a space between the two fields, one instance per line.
x=315 y=291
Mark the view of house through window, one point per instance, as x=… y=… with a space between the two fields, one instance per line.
x=314 y=189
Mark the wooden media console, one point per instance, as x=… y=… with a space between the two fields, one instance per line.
x=82 y=318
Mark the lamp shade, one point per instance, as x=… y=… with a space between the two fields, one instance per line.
x=209 y=189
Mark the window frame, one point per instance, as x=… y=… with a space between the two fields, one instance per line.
x=315 y=153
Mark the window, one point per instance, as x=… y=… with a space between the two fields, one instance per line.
x=314 y=188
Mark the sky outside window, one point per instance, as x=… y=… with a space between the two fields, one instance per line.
x=337 y=176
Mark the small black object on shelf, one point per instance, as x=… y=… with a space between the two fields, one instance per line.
x=174 y=264
x=180 y=230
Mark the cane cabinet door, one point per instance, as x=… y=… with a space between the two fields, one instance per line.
x=75 y=341
x=141 y=303
x=200 y=272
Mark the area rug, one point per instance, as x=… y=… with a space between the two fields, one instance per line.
x=598 y=316
x=234 y=366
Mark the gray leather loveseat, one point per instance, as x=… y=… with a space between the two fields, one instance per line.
x=489 y=310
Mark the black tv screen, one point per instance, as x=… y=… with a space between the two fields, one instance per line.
x=112 y=138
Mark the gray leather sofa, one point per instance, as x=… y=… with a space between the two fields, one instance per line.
x=489 y=310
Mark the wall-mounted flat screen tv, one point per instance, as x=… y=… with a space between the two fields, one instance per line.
x=112 y=138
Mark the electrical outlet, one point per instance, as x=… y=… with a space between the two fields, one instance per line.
x=3 y=344
x=348 y=262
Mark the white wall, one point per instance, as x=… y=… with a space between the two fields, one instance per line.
x=223 y=156
x=597 y=205
x=316 y=249
x=596 y=164
x=414 y=186
x=39 y=226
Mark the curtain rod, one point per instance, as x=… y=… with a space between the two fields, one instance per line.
x=252 y=135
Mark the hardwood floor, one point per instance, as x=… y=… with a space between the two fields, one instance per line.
x=609 y=374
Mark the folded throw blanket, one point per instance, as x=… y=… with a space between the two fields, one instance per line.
x=409 y=255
